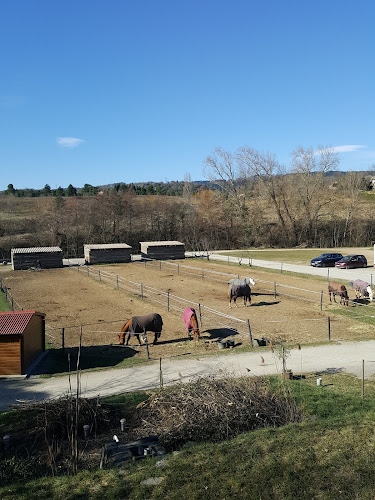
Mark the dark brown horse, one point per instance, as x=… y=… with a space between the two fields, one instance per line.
x=140 y=325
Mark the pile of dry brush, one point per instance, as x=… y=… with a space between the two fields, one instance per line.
x=213 y=409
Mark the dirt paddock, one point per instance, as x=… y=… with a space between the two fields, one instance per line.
x=70 y=298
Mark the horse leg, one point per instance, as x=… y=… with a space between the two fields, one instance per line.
x=156 y=336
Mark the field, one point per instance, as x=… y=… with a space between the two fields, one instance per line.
x=71 y=300
x=298 y=256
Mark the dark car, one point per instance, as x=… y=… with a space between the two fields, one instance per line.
x=326 y=260
x=351 y=262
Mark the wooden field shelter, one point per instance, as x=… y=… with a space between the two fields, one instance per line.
x=157 y=250
x=36 y=257
x=111 y=253
x=22 y=340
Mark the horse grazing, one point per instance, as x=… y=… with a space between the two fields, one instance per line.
x=243 y=281
x=337 y=289
x=190 y=319
x=362 y=289
x=141 y=325
x=236 y=291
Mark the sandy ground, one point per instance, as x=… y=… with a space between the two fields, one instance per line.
x=70 y=299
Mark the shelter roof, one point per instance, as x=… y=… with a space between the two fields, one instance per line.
x=36 y=250
x=161 y=243
x=105 y=246
x=15 y=322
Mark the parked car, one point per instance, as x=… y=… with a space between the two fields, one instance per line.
x=352 y=262
x=326 y=260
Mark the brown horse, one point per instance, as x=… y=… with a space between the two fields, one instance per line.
x=140 y=325
x=190 y=319
x=338 y=289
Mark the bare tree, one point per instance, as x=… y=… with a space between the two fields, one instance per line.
x=188 y=188
x=312 y=191
x=222 y=167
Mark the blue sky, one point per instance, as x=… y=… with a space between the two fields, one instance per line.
x=123 y=91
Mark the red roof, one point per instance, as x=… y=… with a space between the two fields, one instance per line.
x=15 y=322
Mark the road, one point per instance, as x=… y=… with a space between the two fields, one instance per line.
x=366 y=274
x=334 y=357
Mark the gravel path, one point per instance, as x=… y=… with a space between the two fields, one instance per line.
x=337 y=357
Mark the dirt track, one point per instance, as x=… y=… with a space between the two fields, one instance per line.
x=71 y=298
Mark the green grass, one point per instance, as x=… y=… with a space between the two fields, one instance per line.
x=330 y=455
x=4 y=305
x=290 y=256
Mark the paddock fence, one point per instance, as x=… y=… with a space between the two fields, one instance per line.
x=271 y=288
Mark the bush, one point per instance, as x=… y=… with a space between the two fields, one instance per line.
x=215 y=409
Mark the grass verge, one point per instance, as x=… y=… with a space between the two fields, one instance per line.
x=330 y=455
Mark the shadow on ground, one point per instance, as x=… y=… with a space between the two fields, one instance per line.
x=220 y=333
x=65 y=360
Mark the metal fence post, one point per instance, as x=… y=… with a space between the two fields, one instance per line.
x=250 y=335
x=329 y=328
x=202 y=274
x=281 y=268
x=99 y=275
x=178 y=268
x=117 y=281
x=62 y=338
x=142 y=291
x=200 y=315
x=12 y=302
x=328 y=274
x=321 y=300
x=160 y=265
x=168 y=300
x=274 y=289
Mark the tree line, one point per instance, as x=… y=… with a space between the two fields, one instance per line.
x=171 y=188
x=255 y=202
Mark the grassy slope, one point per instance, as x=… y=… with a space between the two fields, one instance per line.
x=330 y=455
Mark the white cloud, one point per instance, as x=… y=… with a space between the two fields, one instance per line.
x=348 y=148
x=69 y=142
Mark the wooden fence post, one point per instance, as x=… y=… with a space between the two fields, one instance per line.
x=160 y=375
x=250 y=335
x=12 y=302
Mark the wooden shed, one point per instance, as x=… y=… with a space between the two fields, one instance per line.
x=22 y=340
x=158 y=250
x=110 y=253
x=38 y=257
